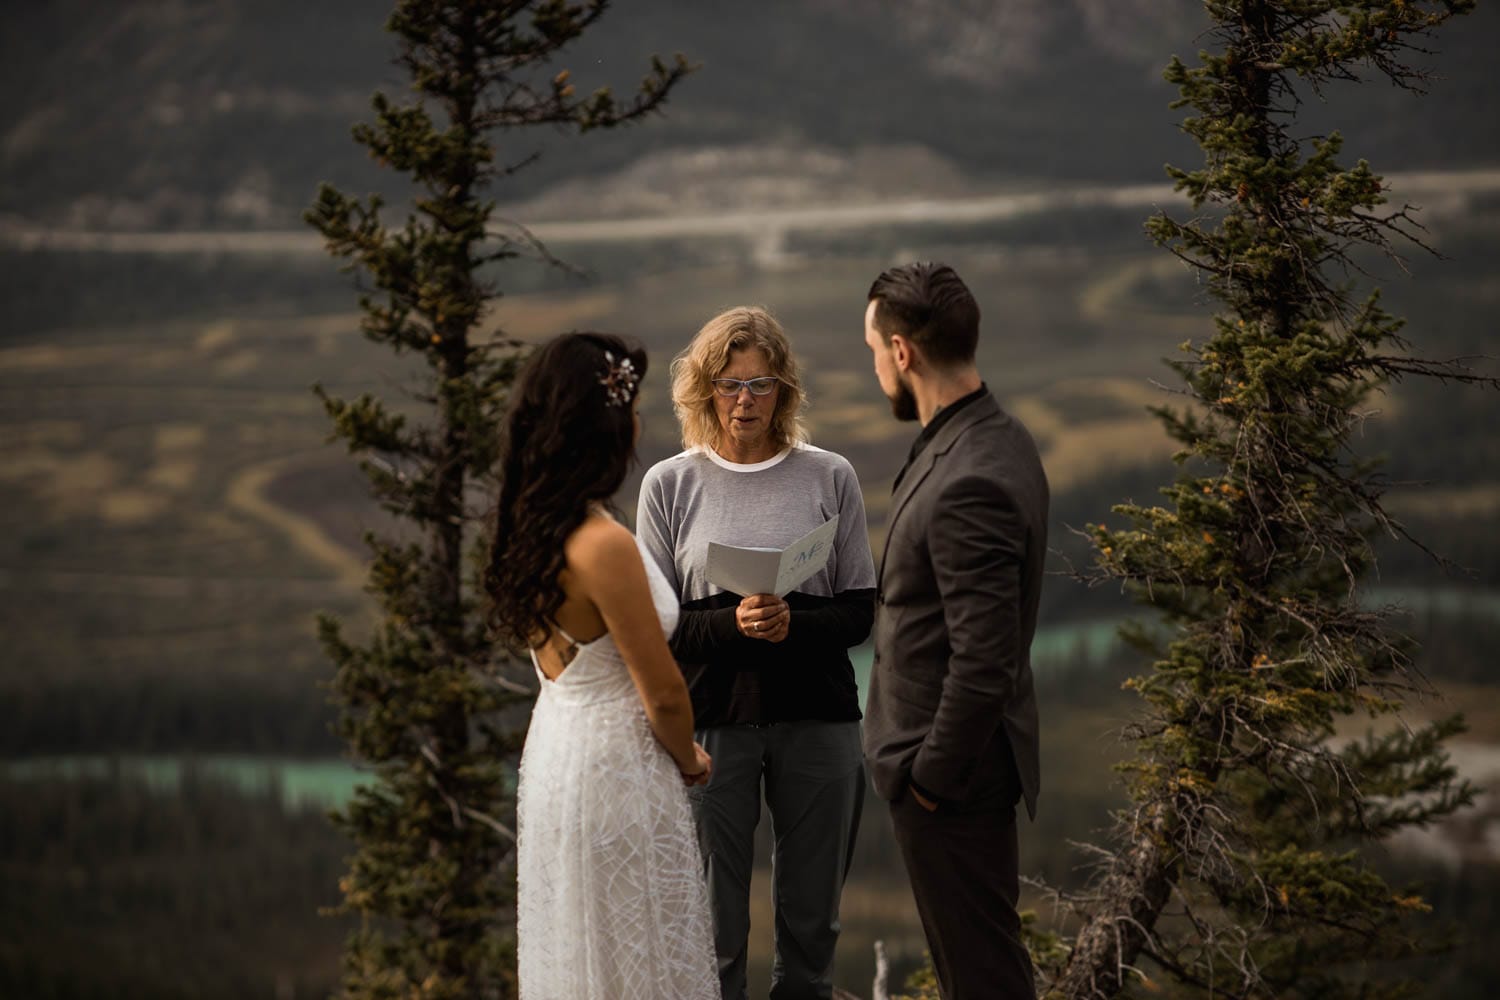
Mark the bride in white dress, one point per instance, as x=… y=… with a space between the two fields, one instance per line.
x=611 y=902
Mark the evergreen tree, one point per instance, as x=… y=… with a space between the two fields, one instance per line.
x=422 y=701
x=1236 y=871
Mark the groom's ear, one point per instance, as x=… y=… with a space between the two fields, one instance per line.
x=903 y=352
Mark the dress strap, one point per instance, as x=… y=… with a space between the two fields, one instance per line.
x=568 y=655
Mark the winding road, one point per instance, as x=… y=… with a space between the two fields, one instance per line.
x=764 y=230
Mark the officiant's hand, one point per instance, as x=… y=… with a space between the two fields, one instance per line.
x=763 y=616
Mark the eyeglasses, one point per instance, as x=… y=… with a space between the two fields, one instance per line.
x=758 y=386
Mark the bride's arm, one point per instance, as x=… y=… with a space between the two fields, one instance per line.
x=605 y=560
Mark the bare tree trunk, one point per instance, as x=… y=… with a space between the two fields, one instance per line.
x=1131 y=899
x=882 y=973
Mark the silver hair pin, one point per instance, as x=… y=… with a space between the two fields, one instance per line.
x=619 y=380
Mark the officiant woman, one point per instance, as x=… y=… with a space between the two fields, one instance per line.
x=774 y=695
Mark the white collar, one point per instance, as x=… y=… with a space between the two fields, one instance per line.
x=725 y=463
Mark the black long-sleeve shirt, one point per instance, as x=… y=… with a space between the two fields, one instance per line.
x=736 y=679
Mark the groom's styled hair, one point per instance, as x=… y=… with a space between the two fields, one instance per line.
x=928 y=304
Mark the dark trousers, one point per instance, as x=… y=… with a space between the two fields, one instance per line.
x=814 y=780
x=964 y=870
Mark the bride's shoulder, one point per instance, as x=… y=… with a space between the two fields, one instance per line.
x=601 y=546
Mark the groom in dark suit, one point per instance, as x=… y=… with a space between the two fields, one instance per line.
x=951 y=725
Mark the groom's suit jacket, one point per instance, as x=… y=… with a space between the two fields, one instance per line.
x=951 y=705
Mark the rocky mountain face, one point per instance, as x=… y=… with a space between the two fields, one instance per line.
x=227 y=113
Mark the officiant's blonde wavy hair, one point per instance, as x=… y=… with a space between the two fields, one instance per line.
x=694 y=370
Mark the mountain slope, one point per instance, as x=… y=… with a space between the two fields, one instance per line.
x=175 y=113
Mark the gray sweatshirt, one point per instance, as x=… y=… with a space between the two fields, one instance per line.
x=697 y=497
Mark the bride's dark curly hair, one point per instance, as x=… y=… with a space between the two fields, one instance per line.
x=570 y=440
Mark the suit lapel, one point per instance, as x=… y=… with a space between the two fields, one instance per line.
x=909 y=484
x=981 y=408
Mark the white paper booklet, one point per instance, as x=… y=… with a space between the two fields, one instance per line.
x=747 y=571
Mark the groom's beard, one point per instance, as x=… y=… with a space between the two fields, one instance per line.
x=903 y=403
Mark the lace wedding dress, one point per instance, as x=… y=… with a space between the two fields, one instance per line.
x=611 y=901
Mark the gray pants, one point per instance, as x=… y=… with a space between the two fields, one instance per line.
x=814 y=786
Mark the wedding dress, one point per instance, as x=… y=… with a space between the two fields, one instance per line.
x=611 y=900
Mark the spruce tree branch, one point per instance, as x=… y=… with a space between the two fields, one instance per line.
x=532 y=242
x=490 y=822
